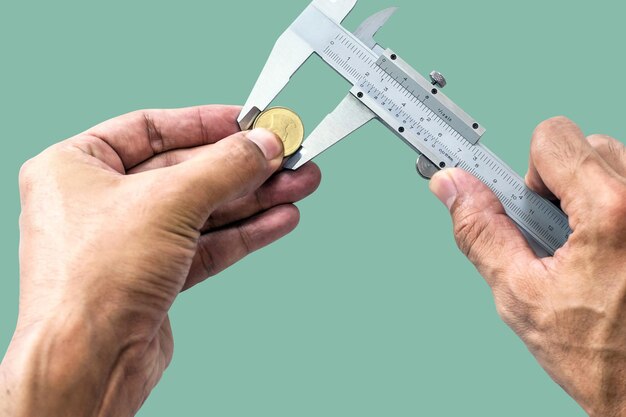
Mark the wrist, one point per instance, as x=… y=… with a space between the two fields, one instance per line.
x=604 y=410
x=607 y=406
x=600 y=390
x=58 y=367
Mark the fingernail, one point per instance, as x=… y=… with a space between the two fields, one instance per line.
x=444 y=187
x=268 y=142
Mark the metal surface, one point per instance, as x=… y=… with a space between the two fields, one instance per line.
x=345 y=119
x=288 y=55
x=336 y=10
x=425 y=168
x=366 y=31
x=386 y=87
x=421 y=90
x=438 y=79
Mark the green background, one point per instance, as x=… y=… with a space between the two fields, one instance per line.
x=367 y=309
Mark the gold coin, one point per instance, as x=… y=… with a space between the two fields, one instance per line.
x=286 y=124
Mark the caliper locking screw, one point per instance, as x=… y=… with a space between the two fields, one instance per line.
x=438 y=79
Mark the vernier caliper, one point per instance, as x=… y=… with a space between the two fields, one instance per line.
x=388 y=89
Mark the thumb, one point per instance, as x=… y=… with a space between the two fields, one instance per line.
x=225 y=171
x=483 y=231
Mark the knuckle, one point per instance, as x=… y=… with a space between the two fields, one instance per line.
x=245 y=157
x=612 y=207
x=555 y=124
x=607 y=145
x=28 y=175
x=153 y=133
x=170 y=159
x=26 y=171
x=207 y=261
x=244 y=148
x=471 y=234
x=615 y=146
x=263 y=198
x=504 y=308
x=246 y=239
x=241 y=162
x=519 y=305
x=513 y=315
x=598 y=141
x=550 y=138
x=614 y=201
x=539 y=141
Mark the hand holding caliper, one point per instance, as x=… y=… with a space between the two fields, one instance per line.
x=569 y=309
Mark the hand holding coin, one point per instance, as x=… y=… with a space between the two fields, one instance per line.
x=286 y=124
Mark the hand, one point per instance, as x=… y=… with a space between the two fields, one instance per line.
x=569 y=309
x=115 y=223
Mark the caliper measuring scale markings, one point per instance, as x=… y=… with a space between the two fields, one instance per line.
x=386 y=88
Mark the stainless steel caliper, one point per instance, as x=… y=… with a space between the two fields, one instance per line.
x=415 y=109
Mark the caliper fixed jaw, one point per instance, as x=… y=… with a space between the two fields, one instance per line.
x=289 y=53
x=287 y=56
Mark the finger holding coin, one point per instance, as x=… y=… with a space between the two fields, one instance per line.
x=285 y=124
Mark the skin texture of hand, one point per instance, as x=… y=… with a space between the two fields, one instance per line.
x=115 y=223
x=569 y=309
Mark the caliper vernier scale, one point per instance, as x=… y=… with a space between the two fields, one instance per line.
x=388 y=89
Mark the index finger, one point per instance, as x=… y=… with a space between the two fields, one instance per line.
x=563 y=163
x=140 y=135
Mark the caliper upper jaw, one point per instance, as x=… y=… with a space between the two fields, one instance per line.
x=370 y=26
x=288 y=55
